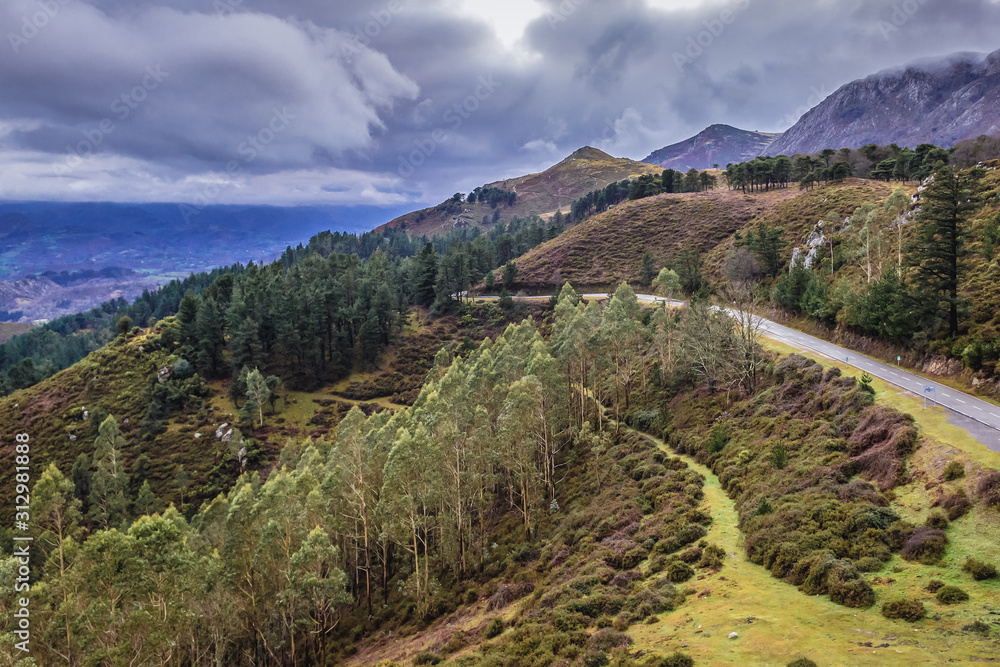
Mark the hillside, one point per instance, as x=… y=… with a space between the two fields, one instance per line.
x=537 y=194
x=716 y=145
x=62 y=413
x=608 y=248
x=941 y=101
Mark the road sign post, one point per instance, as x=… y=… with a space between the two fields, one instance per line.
x=927 y=390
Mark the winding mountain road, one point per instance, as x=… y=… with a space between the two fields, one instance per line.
x=985 y=414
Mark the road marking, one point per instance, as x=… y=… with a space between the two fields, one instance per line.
x=960 y=401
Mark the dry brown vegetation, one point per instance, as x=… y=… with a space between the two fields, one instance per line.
x=537 y=194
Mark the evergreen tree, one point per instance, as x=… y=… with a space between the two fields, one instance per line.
x=426 y=276
x=647 y=270
x=187 y=314
x=210 y=339
x=938 y=251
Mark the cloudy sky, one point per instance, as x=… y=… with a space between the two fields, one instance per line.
x=399 y=102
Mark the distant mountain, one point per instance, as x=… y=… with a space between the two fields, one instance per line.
x=537 y=194
x=718 y=144
x=940 y=101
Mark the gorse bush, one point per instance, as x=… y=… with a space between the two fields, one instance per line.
x=802 y=662
x=980 y=570
x=493 y=629
x=908 y=610
x=951 y=595
x=954 y=470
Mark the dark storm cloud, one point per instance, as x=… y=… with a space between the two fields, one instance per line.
x=388 y=101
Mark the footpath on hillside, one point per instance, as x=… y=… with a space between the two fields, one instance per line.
x=777 y=623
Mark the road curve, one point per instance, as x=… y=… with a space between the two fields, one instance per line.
x=959 y=402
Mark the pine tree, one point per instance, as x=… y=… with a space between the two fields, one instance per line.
x=210 y=340
x=938 y=251
x=426 y=275
x=187 y=314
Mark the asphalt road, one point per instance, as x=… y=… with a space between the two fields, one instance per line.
x=985 y=416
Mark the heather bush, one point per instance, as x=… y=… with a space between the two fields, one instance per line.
x=802 y=662
x=925 y=545
x=989 y=488
x=937 y=520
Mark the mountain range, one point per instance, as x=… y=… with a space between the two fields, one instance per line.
x=940 y=101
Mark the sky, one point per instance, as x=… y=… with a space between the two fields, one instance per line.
x=397 y=103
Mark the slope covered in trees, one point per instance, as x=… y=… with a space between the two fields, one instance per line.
x=512 y=503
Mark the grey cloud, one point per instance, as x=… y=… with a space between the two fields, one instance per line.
x=604 y=73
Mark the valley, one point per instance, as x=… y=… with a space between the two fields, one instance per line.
x=737 y=403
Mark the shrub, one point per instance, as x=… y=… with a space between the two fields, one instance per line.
x=937 y=520
x=908 y=610
x=679 y=571
x=956 y=504
x=978 y=627
x=852 y=593
x=980 y=570
x=869 y=564
x=779 y=456
x=426 y=658
x=508 y=594
x=493 y=629
x=675 y=660
x=607 y=639
x=934 y=585
x=954 y=470
x=925 y=545
x=712 y=557
x=951 y=595
x=989 y=488
x=802 y=662
x=717 y=439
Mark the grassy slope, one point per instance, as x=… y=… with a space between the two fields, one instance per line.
x=537 y=194
x=608 y=248
x=798 y=216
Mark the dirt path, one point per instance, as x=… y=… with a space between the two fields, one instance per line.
x=776 y=623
